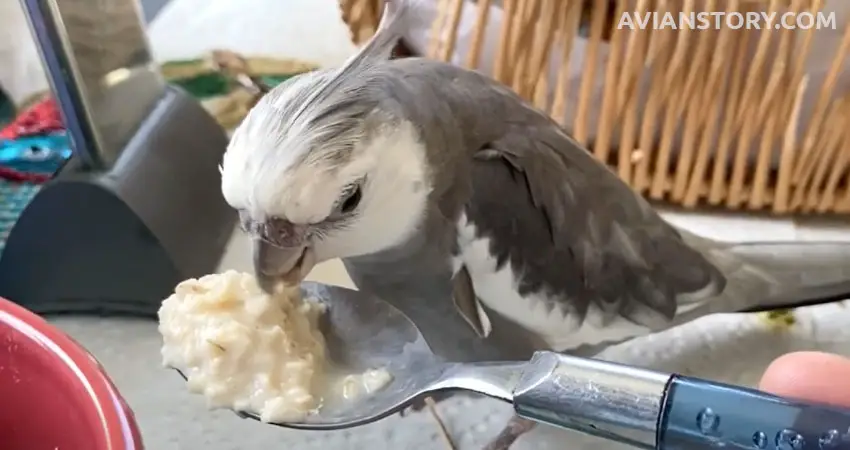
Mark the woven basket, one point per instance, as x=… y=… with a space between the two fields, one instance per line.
x=689 y=117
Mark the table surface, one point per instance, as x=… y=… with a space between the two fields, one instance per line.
x=727 y=347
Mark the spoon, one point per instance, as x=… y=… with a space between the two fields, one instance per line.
x=643 y=408
x=363 y=332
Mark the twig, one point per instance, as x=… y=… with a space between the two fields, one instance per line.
x=515 y=428
x=432 y=408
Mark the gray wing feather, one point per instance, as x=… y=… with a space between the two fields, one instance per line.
x=577 y=232
x=466 y=303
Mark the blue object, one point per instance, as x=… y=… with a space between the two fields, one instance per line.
x=39 y=155
x=43 y=154
x=701 y=414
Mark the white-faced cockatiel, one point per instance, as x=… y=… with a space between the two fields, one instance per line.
x=477 y=215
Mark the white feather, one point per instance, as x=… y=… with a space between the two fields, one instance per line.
x=265 y=150
x=393 y=203
x=497 y=289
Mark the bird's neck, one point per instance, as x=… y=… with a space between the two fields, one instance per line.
x=420 y=287
x=420 y=266
x=417 y=281
x=416 y=278
x=426 y=252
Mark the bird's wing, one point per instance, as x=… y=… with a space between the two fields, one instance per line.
x=574 y=236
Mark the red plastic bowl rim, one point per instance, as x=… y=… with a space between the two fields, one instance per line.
x=82 y=363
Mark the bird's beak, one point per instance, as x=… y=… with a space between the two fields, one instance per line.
x=275 y=265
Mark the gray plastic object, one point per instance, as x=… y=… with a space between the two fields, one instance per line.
x=138 y=208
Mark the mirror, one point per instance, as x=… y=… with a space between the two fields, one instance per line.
x=100 y=68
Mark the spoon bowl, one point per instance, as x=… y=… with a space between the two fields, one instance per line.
x=364 y=332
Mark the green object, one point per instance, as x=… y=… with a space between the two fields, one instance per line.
x=196 y=77
x=274 y=80
x=189 y=63
x=205 y=86
x=215 y=84
x=201 y=80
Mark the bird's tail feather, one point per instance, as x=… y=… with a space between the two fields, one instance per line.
x=764 y=276
x=795 y=273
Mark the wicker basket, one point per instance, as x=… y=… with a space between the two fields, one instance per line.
x=705 y=117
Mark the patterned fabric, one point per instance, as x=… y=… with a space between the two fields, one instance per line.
x=39 y=119
x=34 y=158
x=14 y=197
x=32 y=147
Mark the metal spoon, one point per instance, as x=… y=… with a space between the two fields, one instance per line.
x=635 y=406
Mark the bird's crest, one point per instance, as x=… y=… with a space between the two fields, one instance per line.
x=312 y=122
x=378 y=48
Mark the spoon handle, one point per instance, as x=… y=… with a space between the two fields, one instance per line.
x=654 y=410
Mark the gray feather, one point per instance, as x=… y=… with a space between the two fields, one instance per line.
x=560 y=218
x=463 y=294
x=606 y=247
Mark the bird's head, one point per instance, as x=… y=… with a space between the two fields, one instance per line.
x=320 y=170
x=321 y=177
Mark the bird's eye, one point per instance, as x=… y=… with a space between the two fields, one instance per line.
x=351 y=201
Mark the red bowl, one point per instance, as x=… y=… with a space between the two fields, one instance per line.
x=55 y=395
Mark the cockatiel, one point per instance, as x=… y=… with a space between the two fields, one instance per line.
x=479 y=217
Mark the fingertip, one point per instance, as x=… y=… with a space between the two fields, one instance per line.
x=813 y=376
